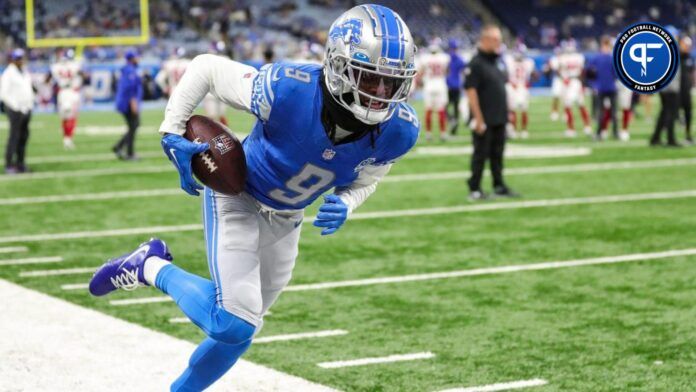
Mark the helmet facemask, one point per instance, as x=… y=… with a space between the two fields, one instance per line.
x=371 y=92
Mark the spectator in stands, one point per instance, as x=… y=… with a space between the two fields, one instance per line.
x=17 y=94
x=686 y=83
x=485 y=88
x=129 y=94
x=454 y=84
x=600 y=70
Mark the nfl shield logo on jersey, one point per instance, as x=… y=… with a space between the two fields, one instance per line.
x=328 y=154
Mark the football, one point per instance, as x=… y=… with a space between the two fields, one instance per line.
x=223 y=167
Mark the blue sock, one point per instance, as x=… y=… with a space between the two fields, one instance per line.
x=229 y=335
x=208 y=363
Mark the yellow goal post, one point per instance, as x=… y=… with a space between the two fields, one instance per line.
x=80 y=42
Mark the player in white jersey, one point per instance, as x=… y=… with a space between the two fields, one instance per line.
x=520 y=73
x=432 y=73
x=624 y=97
x=570 y=69
x=68 y=76
x=215 y=108
x=551 y=69
x=171 y=72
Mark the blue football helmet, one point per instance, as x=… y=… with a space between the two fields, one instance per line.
x=369 y=62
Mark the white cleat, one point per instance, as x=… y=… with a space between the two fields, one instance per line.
x=587 y=130
x=604 y=135
x=524 y=135
x=68 y=143
x=570 y=133
x=624 y=136
x=554 y=116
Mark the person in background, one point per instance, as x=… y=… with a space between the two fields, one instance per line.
x=485 y=88
x=454 y=85
x=686 y=84
x=17 y=94
x=129 y=95
x=669 y=98
x=600 y=71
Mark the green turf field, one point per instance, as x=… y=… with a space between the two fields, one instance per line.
x=603 y=327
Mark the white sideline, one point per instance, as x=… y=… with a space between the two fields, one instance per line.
x=503 y=386
x=298 y=336
x=57 y=272
x=13 y=249
x=51 y=345
x=374 y=215
x=88 y=173
x=376 y=360
x=32 y=260
x=496 y=270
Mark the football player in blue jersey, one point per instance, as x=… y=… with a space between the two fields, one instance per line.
x=339 y=125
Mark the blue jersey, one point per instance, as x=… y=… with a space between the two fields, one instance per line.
x=290 y=159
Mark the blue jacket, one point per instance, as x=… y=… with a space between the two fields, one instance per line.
x=454 y=75
x=603 y=67
x=129 y=86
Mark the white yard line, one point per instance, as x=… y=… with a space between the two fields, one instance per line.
x=140 y=301
x=13 y=249
x=503 y=386
x=88 y=173
x=32 y=260
x=634 y=257
x=374 y=215
x=103 y=233
x=75 y=286
x=92 y=196
x=525 y=151
x=524 y=204
x=177 y=320
x=376 y=360
x=47 y=340
x=496 y=270
x=575 y=168
x=298 y=336
x=88 y=157
x=57 y=272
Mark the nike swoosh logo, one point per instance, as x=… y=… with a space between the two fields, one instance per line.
x=176 y=162
x=275 y=76
x=144 y=248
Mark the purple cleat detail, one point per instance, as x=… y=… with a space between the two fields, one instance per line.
x=126 y=272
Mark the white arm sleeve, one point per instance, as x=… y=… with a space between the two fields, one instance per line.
x=227 y=80
x=356 y=193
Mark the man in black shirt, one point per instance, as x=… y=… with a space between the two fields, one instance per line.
x=485 y=88
x=686 y=82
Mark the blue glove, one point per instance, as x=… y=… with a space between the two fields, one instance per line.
x=332 y=214
x=180 y=151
